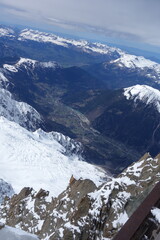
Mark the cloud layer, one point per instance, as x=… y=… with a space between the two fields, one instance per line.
x=137 y=20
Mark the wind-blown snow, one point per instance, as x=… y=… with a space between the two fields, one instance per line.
x=19 y=112
x=143 y=93
x=33 y=160
x=10 y=233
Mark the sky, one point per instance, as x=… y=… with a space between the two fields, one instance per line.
x=135 y=22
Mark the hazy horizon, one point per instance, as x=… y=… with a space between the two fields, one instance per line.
x=119 y=22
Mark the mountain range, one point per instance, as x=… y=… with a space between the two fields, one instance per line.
x=77 y=113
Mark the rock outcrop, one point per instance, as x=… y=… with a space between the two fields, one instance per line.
x=83 y=211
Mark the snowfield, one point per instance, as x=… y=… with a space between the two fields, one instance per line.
x=35 y=159
x=5 y=190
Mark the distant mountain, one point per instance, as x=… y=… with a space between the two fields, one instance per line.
x=47 y=86
x=145 y=94
x=37 y=158
x=68 y=52
x=125 y=71
x=85 y=46
x=111 y=66
x=6 y=190
x=76 y=101
x=74 y=112
x=150 y=68
x=6 y=32
x=84 y=211
x=131 y=116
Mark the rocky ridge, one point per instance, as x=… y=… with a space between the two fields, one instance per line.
x=83 y=211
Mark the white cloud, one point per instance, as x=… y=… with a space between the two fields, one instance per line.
x=137 y=19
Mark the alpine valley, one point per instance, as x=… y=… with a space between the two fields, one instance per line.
x=76 y=117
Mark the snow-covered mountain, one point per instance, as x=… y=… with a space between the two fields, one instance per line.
x=150 y=68
x=84 y=211
x=30 y=64
x=37 y=159
x=114 y=56
x=43 y=37
x=18 y=112
x=94 y=205
x=6 y=32
x=145 y=94
x=29 y=34
x=132 y=61
x=46 y=88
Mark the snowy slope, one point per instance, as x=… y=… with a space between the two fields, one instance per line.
x=144 y=93
x=5 y=190
x=10 y=233
x=13 y=110
x=37 y=160
x=19 y=112
x=84 y=208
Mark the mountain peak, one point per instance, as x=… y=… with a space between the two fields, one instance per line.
x=143 y=93
x=132 y=61
x=27 y=62
x=6 y=32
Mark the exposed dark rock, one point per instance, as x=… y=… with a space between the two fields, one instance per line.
x=84 y=211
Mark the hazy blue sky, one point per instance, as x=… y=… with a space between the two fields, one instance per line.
x=117 y=20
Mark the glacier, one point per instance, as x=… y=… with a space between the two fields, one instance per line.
x=37 y=160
